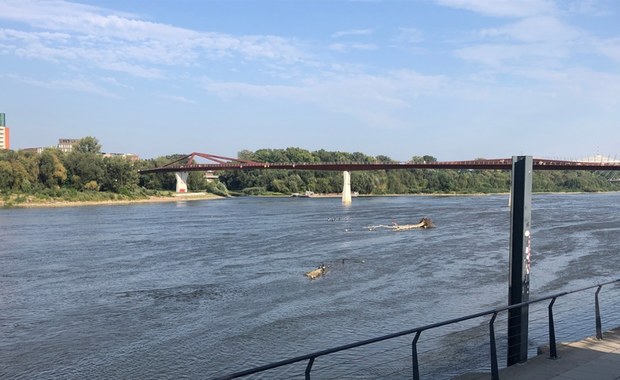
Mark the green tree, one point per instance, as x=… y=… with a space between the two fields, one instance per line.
x=279 y=186
x=83 y=168
x=6 y=176
x=52 y=172
x=120 y=175
x=20 y=170
x=384 y=159
x=245 y=154
x=87 y=144
x=91 y=186
x=423 y=159
x=395 y=184
x=299 y=155
x=197 y=181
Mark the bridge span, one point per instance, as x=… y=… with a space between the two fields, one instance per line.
x=188 y=163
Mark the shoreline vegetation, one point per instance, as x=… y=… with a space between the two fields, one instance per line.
x=85 y=176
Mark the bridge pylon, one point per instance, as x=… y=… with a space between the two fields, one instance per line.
x=346 y=188
x=181 y=182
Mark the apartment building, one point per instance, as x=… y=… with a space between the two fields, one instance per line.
x=5 y=137
x=66 y=145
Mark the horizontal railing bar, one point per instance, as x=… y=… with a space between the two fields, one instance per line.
x=316 y=354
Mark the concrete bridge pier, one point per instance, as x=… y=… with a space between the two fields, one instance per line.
x=346 y=188
x=181 y=181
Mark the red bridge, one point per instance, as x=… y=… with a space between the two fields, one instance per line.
x=188 y=163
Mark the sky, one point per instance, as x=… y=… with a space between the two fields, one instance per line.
x=454 y=79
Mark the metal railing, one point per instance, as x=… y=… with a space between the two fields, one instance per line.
x=310 y=358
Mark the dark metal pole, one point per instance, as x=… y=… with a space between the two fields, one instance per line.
x=520 y=235
x=553 y=350
x=309 y=368
x=597 y=310
x=494 y=367
x=414 y=356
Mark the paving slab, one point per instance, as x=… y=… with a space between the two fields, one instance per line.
x=587 y=359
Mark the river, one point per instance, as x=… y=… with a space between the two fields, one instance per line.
x=197 y=289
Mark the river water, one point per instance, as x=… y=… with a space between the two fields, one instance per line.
x=198 y=289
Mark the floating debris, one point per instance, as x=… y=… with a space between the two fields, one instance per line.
x=339 y=219
x=318 y=272
x=423 y=223
x=355 y=261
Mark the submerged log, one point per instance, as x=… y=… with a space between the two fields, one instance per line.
x=423 y=223
x=318 y=272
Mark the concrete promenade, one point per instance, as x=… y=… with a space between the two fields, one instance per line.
x=589 y=359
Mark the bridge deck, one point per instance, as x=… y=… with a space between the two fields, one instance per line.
x=227 y=163
x=586 y=359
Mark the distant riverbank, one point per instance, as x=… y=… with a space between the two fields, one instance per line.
x=32 y=202
x=29 y=201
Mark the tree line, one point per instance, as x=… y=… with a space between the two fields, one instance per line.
x=85 y=170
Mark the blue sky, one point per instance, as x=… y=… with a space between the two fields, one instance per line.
x=456 y=79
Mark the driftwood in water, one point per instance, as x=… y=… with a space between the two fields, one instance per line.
x=423 y=223
x=318 y=272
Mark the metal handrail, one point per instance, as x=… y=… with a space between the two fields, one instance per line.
x=418 y=331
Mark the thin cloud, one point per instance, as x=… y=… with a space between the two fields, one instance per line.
x=115 y=82
x=506 y=57
x=177 y=99
x=536 y=29
x=503 y=8
x=590 y=7
x=410 y=36
x=609 y=48
x=542 y=35
x=66 y=33
x=75 y=84
x=343 y=48
x=353 y=32
x=361 y=96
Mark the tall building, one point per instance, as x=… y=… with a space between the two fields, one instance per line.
x=5 y=137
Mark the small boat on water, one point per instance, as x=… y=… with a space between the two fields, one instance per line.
x=318 y=272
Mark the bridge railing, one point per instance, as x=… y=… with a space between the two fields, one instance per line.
x=310 y=358
x=494 y=164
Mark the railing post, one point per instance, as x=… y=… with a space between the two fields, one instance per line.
x=599 y=327
x=553 y=352
x=414 y=356
x=309 y=368
x=520 y=251
x=494 y=367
